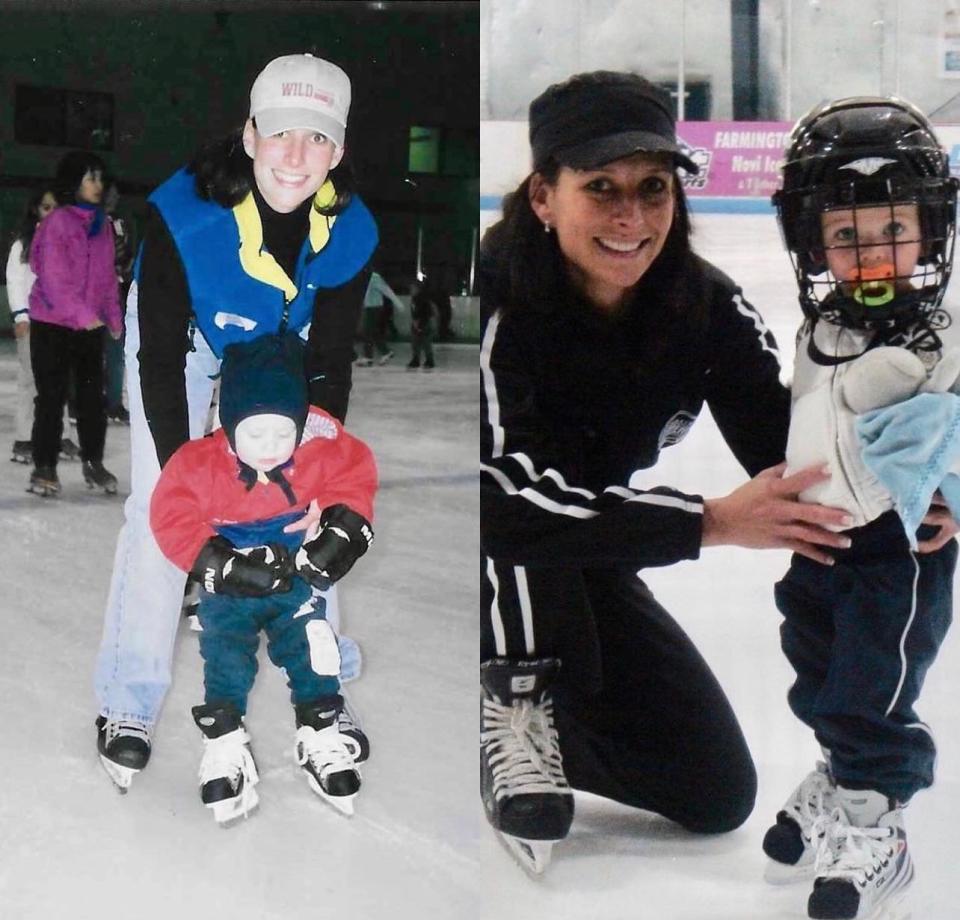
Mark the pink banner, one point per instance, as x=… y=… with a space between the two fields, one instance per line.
x=736 y=158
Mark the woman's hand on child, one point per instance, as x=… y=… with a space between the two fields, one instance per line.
x=939 y=516
x=343 y=537
x=766 y=513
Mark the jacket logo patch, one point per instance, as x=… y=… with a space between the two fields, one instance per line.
x=676 y=429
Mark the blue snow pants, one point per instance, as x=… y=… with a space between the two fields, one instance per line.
x=861 y=635
x=299 y=640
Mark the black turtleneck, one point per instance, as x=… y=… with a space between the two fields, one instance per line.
x=283 y=234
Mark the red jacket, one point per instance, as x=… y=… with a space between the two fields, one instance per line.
x=199 y=490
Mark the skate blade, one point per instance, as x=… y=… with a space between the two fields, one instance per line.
x=109 y=490
x=122 y=776
x=533 y=856
x=778 y=873
x=43 y=492
x=229 y=811
x=343 y=804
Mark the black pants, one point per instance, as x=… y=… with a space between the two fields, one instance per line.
x=861 y=635
x=55 y=352
x=658 y=733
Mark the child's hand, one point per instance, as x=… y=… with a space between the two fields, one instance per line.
x=258 y=571
x=939 y=516
x=343 y=537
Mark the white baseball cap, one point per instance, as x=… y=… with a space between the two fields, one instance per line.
x=301 y=91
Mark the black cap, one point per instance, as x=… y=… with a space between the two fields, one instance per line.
x=263 y=376
x=596 y=118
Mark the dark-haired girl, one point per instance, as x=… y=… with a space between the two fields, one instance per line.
x=72 y=301
x=259 y=234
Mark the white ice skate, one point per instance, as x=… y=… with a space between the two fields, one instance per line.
x=329 y=760
x=792 y=842
x=124 y=749
x=860 y=870
x=228 y=777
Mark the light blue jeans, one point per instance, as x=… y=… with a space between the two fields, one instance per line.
x=133 y=669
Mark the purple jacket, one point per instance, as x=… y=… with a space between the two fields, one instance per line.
x=76 y=282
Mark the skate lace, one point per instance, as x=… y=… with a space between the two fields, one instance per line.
x=327 y=750
x=811 y=803
x=522 y=747
x=854 y=853
x=228 y=757
x=121 y=728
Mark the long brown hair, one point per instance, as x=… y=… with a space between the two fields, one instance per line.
x=522 y=266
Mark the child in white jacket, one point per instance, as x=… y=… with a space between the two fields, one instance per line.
x=867 y=212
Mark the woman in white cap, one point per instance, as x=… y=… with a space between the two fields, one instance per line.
x=605 y=337
x=260 y=233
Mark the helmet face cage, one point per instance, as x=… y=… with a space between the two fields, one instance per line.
x=857 y=154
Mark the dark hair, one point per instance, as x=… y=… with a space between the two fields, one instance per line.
x=71 y=169
x=224 y=173
x=27 y=224
x=524 y=265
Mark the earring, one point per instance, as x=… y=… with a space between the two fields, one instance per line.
x=546 y=226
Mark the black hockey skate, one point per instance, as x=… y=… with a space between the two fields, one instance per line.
x=525 y=793
x=328 y=757
x=44 y=482
x=97 y=476
x=228 y=773
x=22 y=452
x=124 y=747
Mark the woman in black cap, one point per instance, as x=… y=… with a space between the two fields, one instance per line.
x=605 y=335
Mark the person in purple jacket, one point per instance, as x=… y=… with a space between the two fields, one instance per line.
x=74 y=299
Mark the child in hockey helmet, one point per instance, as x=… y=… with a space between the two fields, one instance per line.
x=867 y=212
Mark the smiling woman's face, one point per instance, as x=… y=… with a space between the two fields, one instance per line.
x=611 y=222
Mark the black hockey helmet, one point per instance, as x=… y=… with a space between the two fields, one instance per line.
x=858 y=152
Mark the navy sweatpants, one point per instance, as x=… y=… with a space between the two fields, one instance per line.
x=299 y=640
x=861 y=635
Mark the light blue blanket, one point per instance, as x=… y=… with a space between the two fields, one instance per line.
x=911 y=447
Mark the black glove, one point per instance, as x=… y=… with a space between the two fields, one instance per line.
x=343 y=538
x=256 y=572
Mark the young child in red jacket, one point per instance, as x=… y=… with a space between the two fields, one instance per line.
x=222 y=511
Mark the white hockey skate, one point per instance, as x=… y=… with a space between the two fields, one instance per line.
x=228 y=772
x=525 y=792
x=791 y=844
x=860 y=871
x=124 y=749
x=327 y=756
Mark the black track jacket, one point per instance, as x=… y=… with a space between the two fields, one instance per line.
x=573 y=402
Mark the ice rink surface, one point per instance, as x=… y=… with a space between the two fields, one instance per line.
x=418 y=847
x=72 y=848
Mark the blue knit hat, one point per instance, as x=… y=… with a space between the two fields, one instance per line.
x=263 y=376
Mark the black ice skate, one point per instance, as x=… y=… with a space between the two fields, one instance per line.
x=228 y=773
x=327 y=756
x=97 y=476
x=124 y=747
x=44 y=482
x=22 y=452
x=525 y=793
